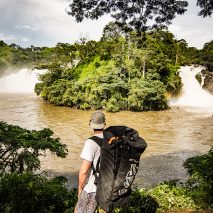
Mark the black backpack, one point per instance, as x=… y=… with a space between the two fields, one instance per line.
x=121 y=149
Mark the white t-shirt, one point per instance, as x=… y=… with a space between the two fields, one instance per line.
x=91 y=152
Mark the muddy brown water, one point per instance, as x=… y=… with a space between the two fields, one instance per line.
x=172 y=135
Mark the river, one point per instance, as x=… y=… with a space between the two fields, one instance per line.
x=177 y=133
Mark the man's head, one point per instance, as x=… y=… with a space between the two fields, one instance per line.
x=97 y=121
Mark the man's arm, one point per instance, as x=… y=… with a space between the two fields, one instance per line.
x=85 y=167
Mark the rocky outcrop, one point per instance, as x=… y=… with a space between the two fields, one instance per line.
x=208 y=80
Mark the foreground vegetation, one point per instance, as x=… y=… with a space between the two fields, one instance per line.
x=24 y=188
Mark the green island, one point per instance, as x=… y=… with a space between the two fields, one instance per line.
x=121 y=71
x=25 y=188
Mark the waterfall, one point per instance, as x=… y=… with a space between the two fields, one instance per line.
x=22 y=81
x=192 y=92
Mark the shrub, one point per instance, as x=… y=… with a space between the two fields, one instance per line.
x=200 y=182
x=170 y=197
x=27 y=192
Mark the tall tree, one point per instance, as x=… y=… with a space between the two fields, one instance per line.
x=132 y=13
x=206 y=7
x=136 y=14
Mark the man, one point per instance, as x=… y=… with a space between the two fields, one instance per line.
x=90 y=155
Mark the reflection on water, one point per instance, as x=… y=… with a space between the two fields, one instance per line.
x=165 y=131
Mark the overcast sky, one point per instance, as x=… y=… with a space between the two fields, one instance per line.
x=45 y=23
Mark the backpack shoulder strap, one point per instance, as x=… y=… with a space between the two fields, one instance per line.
x=97 y=140
x=96 y=169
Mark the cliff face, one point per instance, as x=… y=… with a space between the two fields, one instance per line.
x=208 y=80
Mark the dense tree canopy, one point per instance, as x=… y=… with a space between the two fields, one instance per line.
x=131 y=13
x=206 y=56
x=136 y=14
x=206 y=7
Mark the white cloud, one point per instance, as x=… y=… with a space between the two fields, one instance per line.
x=58 y=25
x=26 y=26
x=25 y=39
x=46 y=22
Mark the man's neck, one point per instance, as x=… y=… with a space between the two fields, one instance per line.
x=98 y=132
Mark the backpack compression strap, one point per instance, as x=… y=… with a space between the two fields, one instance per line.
x=96 y=170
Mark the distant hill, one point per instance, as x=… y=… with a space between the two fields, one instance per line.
x=15 y=57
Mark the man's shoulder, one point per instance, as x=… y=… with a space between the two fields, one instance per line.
x=91 y=141
x=90 y=148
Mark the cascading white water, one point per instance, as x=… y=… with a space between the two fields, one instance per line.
x=192 y=94
x=22 y=81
